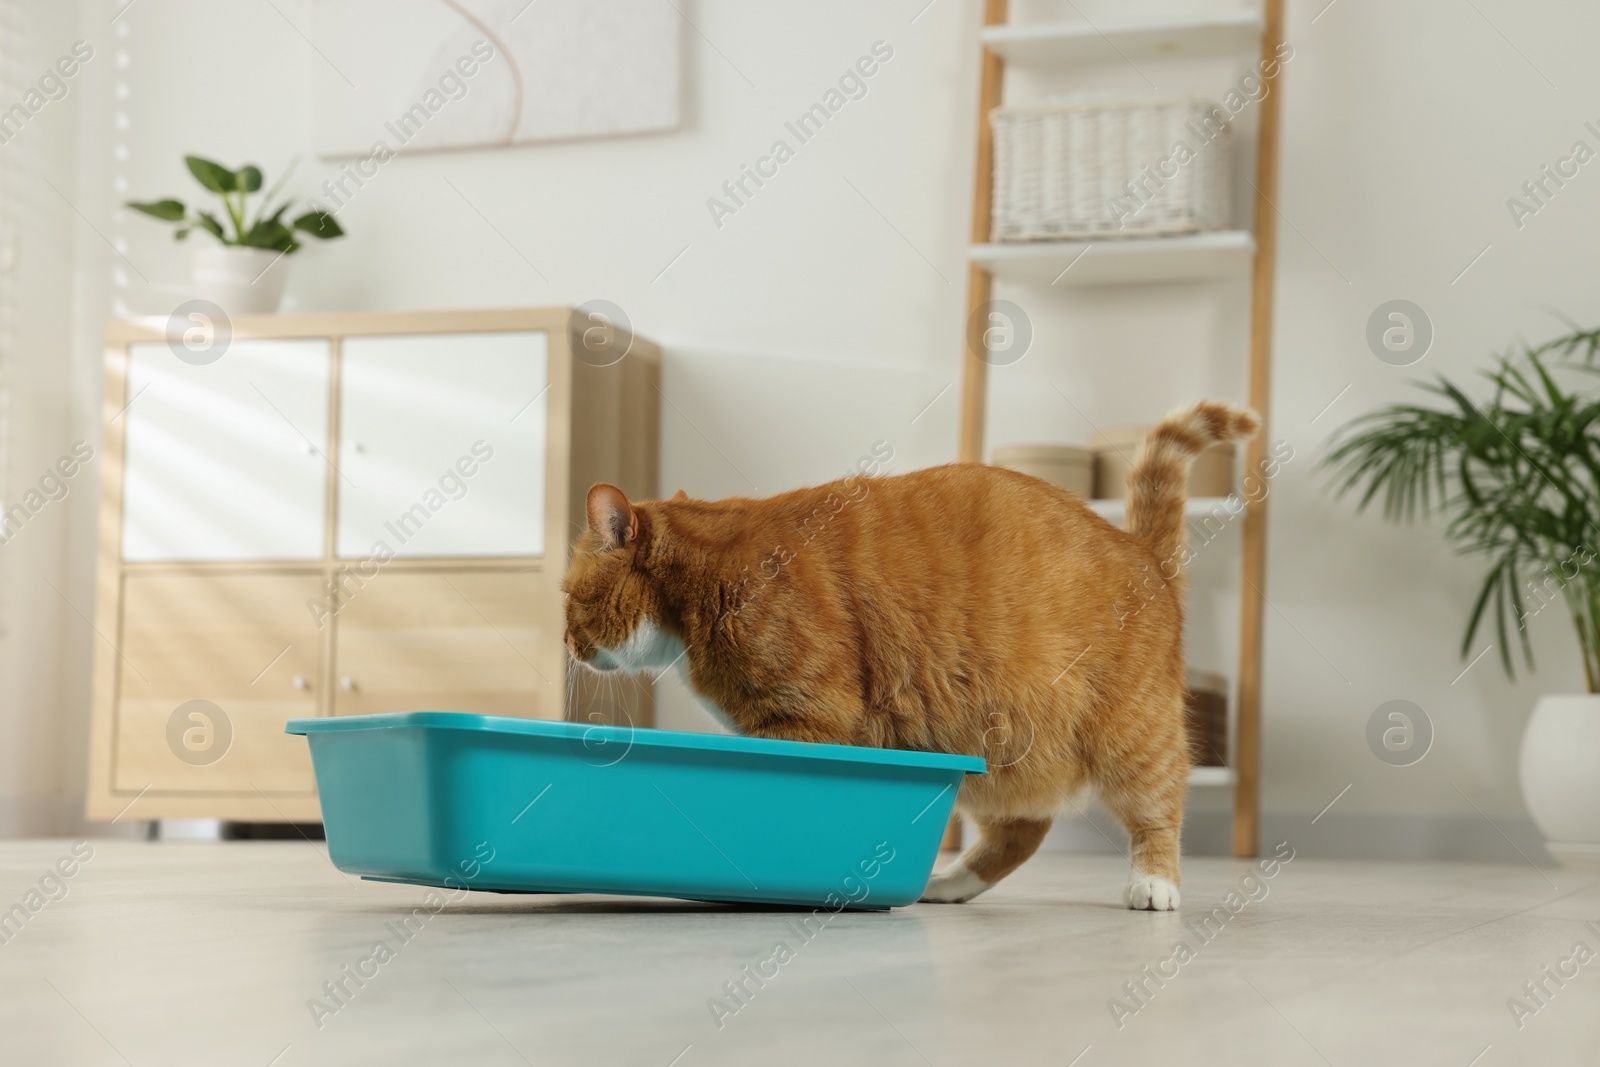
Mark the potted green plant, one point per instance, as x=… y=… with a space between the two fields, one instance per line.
x=1516 y=476
x=238 y=271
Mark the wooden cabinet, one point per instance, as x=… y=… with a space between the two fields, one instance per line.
x=342 y=515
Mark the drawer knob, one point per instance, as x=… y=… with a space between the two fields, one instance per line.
x=347 y=683
x=301 y=682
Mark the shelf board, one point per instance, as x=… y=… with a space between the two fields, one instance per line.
x=1053 y=43
x=1191 y=257
x=1194 y=508
x=1211 y=776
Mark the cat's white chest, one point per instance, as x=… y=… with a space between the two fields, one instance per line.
x=650 y=648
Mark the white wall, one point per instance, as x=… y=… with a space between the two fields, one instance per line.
x=45 y=573
x=823 y=317
x=1407 y=127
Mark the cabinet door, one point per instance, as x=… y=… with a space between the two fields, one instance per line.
x=448 y=641
x=442 y=445
x=226 y=461
x=211 y=666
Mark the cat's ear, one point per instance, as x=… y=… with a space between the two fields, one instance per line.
x=611 y=516
x=679 y=495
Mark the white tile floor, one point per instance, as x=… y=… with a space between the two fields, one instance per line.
x=203 y=954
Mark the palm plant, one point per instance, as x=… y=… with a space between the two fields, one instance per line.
x=1516 y=475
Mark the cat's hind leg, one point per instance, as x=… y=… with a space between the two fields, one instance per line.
x=1003 y=845
x=1149 y=804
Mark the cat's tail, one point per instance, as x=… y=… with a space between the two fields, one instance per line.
x=1159 y=479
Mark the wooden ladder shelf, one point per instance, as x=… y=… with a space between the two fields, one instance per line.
x=1211 y=36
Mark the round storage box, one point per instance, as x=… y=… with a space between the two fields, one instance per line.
x=1064 y=466
x=1114 y=450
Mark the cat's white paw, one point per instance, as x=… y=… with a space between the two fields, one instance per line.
x=1149 y=893
x=953 y=885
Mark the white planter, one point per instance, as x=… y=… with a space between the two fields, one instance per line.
x=1560 y=771
x=241 y=281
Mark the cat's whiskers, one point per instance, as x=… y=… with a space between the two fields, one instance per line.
x=569 y=704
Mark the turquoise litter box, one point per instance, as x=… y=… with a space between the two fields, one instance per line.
x=533 y=806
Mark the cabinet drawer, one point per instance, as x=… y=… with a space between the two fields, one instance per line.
x=477 y=641
x=212 y=666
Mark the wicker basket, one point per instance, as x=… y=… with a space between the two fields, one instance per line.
x=1108 y=169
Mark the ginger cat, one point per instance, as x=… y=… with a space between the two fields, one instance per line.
x=963 y=608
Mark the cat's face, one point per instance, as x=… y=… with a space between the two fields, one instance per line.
x=611 y=606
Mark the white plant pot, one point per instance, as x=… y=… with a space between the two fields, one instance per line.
x=241 y=281
x=1560 y=771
